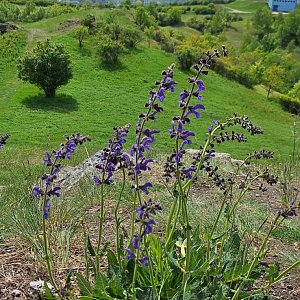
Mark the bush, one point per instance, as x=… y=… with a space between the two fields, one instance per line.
x=109 y=51
x=197 y=24
x=130 y=37
x=231 y=72
x=48 y=66
x=205 y=10
x=186 y=56
x=290 y=104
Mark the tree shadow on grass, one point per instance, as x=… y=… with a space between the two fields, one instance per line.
x=117 y=66
x=61 y=103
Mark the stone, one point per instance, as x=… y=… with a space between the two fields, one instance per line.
x=16 y=293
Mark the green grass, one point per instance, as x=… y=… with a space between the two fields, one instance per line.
x=246 y=5
x=97 y=99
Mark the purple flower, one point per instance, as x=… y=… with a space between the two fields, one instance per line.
x=194 y=110
x=144 y=261
x=211 y=153
x=54 y=192
x=142 y=165
x=170 y=83
x=46 y=209
x=97 y=180
x=188 y=172
x=146 y=209
x=130 y=254
x=135 y=242
x=185 y=135
x=145 y=187
x=37 y=191
x=183 y=95
x=200 y=85
x=47 y=159
x=161 y=94
x=148 y=227
x=149 y=133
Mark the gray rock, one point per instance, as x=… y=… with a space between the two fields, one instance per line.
x=39 y=285
x=16 y=293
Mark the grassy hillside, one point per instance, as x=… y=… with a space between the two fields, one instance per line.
x=98 y=99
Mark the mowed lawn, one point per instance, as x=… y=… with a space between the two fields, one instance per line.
x=97 y=99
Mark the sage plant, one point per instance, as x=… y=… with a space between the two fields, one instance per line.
x=48 y=191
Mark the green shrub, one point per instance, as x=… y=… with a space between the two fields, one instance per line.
x=241 y=75
x=197 y=24
x=130 y=37
x=109 y=51
x=186 y=56
x=205 y=10
x=290 y=104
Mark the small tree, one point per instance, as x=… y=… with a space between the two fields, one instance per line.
x=80 y=33
x=273 y=79
x=48 y=66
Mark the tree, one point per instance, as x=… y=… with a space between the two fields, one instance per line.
x=80 y=33
x=142 y=18
x=262 y=21
x=89 y=22
x=48 y=66
x=273 y=78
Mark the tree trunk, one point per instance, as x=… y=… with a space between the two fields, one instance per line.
x=269 y=90
x=50 y=93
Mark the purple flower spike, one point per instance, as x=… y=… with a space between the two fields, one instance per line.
x=46 y=209
x=144 y=261
x=135 y=242
x=130 y=254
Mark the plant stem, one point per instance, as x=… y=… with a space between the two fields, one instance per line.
x=46 y=250
x=101 y=220
x=117 y=219
x=215 y=224
x=151 y=273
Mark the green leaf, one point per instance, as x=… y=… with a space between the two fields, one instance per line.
x=144 y=294
x=217 y=236
x=111 y=257
x=173 y=262
x=103 y=251
x=84 y=286
x=273 y=272
x=90 y=247
x=116 y=288
x=113 y=265
x=47 y=293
